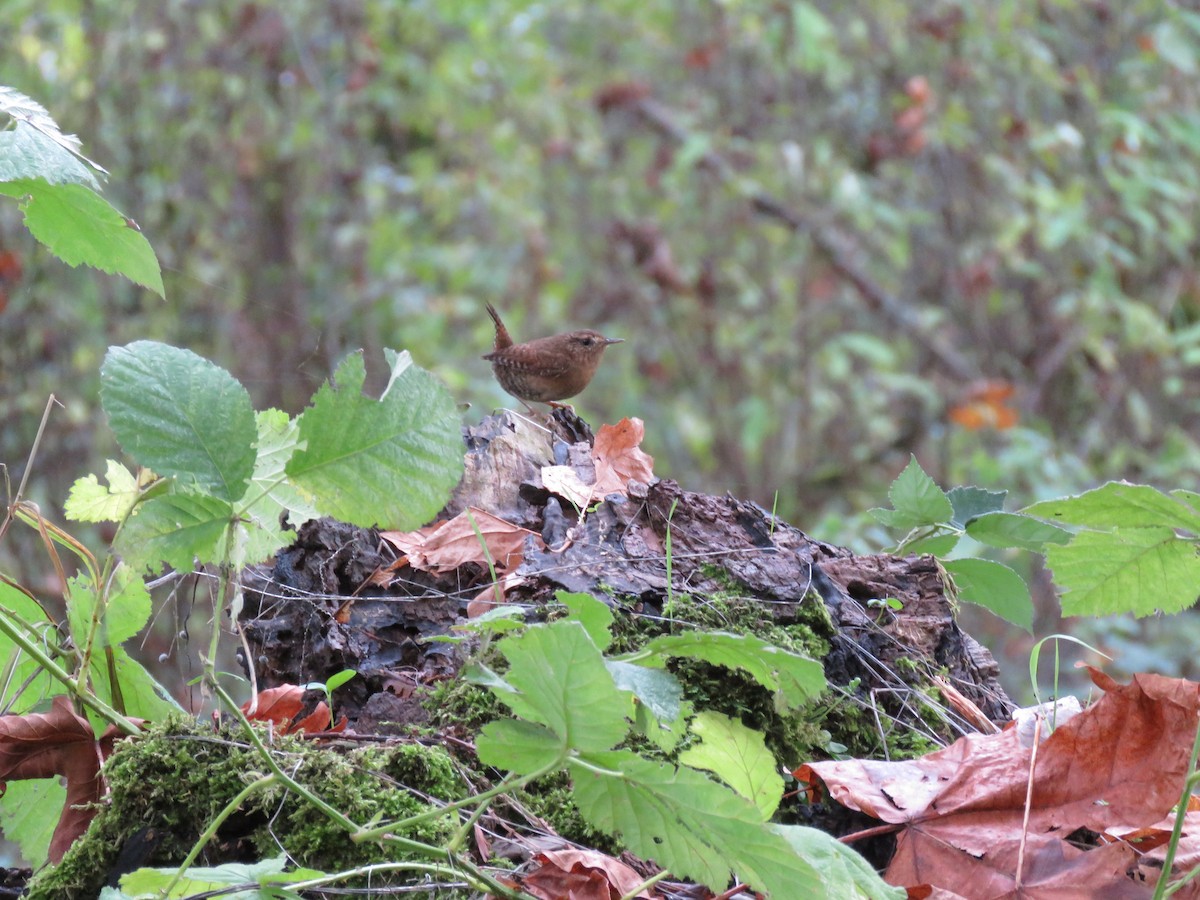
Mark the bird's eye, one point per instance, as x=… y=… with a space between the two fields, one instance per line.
x=587 y=341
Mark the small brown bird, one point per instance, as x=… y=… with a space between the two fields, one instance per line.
x=547 y=369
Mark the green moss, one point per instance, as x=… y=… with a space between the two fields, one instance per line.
x=178 y=776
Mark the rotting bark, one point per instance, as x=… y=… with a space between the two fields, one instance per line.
x=321 y=609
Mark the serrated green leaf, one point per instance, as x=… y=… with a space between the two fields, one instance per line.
x=125 y=614
x=1119 y=504
x=691 y=825
x=519 y=746
x=180 y=415
x=739 y=757
x=34 y=129
x=563 y=684
x=176 y=530
x=1006 y=530
x=846 y=873
x=656 y=689
x=90 y=501
x=995 y=587
x=79 y=226
x=594 y=615
x=970 y=502
x=794 y=679
x=1137 y=570
x=390 y=462
x=916 y=501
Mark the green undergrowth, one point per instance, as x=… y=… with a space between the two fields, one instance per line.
x=179 y=775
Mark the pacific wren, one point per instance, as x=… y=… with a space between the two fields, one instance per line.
x=547 y=369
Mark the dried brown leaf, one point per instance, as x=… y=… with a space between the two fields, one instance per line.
x=455 y=543
x=619 y=457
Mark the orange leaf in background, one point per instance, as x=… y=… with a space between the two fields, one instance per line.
x=58 y=743
x=620 y=459
x=489 y=598
x=1120 y=765
x=985 y=405
x=455 y=543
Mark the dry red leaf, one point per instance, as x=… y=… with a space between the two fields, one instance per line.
x=1119 y=764
x=581 y=875
x=454 y=543
x=58 y=743
x=280 y=705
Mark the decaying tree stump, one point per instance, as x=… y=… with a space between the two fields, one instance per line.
x=344 y=597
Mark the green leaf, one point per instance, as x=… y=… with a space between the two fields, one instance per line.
x=564 y=685
x=497 y=620
x=29 y=815
x=665 y=735
x=916 y=501
x=739 y=757
x=390 y=462
x=90 y=501
x=995 y=587
x=594 y=615
x=270 y=492
x=970 y=502
x=79 y=226
x=934 y=545
x=521 y=747
x=1137 y=570
x=689 y=824
x=658 y=690
x=125 y=614
x=1119 y=504
x=175 y=530
x=180 y=415
x=336 y=680
x=18 y=672
x=1001 y=529
x=141 y=696
x=794 y=679
x=845 y=872
x=35 y=147
x=268 y=874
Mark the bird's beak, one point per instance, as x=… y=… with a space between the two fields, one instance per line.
x=614 y=340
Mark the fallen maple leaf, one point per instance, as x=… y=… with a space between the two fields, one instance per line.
x=58 y=743
x=1119 y=764
x=455 y=543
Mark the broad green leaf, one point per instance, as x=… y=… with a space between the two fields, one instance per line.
x=497 y=620
x=594 y=615
x=29 y=815
x=1001 y=529
x=688 y=823
x=477 y=673
x=845 y=872
x=140 y=694
x=1137 y=570
x=794 y=679
x=79 y=226
x=916 y=501
x=564 y=685
x=739 y=757
x=656 y=689
x=519 y=746
x=270 y=493
x=665 y=735
x=970 y=502
x=175 y=530
x=18 y=672
x=125 y=614
x=389 y=462
x=1119 y=504
x=934 y=545
x=995 y=587
x=90 y=501
x=180 y=415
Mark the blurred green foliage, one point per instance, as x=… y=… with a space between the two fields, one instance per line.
x=1017 y=178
